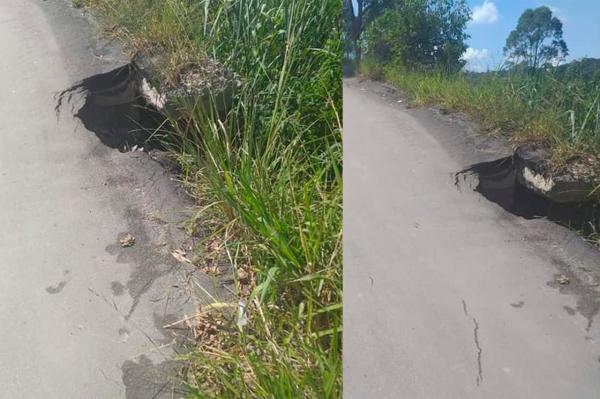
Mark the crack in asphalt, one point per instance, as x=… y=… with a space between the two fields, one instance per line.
x=479 y=377
x=479 y=352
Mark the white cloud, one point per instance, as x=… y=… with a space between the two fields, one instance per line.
x=476 y=59
x=486 y=13
x=475 y=54
x=556 y=61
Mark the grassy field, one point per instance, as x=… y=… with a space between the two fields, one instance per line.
x=559 y=109
x=268 y=174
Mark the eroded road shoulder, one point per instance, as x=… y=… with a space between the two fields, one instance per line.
x=83 y=315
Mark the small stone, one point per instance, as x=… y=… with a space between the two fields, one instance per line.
x=127 y=240
x=563 y=280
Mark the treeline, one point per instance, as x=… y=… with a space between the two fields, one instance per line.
x=427 y=34
x=416 y=34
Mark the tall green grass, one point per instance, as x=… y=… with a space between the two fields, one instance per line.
x=557 y=111
x=272 y=168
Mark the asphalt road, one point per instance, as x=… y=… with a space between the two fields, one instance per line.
x=446 y=294
x=81 y=317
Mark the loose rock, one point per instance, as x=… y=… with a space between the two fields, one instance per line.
x=127 y=240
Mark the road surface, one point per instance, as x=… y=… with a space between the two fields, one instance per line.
x=446 y=294
x=81 y=316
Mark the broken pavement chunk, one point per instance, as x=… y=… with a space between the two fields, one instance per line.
x=573 y=182
x=199 y=84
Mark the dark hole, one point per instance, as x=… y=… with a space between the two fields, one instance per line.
x=115 y=110
x=497 y=182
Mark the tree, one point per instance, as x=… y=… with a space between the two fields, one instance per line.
x=537 y=40
x=420 y=34
x=357 y=18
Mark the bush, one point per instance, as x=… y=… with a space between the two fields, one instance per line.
x=420 y=34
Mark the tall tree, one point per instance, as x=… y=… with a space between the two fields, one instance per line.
x=537 y=40
x=420 y=34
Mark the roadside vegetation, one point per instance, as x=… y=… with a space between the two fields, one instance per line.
x=417 y=46
x=267 y=174
x=557 y=109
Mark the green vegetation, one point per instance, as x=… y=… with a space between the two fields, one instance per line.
x=529 y=101
x=410 y=31
x=422 y=34
x=269 y=171
x=559 y=109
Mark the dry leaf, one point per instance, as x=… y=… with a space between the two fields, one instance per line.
x=179 y=254
x=212 y=270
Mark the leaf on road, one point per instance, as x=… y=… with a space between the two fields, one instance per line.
x=179 y=254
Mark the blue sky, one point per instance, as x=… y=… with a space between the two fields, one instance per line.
x=493 y=20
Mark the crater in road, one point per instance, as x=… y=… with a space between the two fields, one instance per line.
x=115 y=110
x=497 y=182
